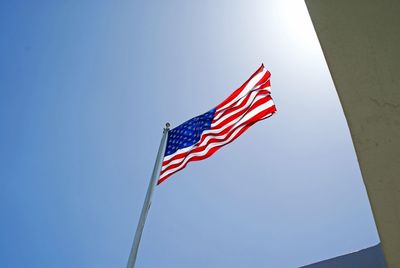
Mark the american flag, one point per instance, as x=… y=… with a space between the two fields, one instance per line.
x=201 y=136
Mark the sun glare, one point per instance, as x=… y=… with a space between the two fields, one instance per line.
x=297 y=22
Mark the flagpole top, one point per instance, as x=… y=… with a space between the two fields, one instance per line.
x=167 y=125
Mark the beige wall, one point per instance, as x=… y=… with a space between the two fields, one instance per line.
x=361 y=43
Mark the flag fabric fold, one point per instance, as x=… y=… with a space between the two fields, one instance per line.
x=201 y=136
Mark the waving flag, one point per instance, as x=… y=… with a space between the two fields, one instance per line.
x=201 y=136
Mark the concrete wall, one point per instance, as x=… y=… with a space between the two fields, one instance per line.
x=367 y=258
x=361 y=43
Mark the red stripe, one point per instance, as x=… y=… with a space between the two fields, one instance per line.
x=233 y=112
x=217 y=138
x=262 y=115
x=240 y=113
x=233 y=127
x=223 y=132
x=235 y=105
x=265 y=77
x=254 y=104
x=237 y=91
x=265 y=85
x=208 y=154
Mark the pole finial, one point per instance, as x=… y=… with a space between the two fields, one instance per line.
x=167 y=125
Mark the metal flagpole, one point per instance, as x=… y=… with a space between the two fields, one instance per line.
x=147 y=201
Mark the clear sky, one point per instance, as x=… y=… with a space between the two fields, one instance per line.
x=85 y=90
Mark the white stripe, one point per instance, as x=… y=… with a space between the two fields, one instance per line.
x=253 y=98
x=235 y=121
x=257 y=110
x=250 y=85
x=260 y=85
x=238 y=103
x=211 y=145
x=209 y=131
x=242 y=120
x=180 y=151
x=204 y=152
x=221 y=137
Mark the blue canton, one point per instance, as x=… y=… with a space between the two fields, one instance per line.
x=188 y=133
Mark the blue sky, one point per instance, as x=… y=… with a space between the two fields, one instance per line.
x=85 y=89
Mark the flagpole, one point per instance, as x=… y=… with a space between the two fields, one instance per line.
x=147 y=201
